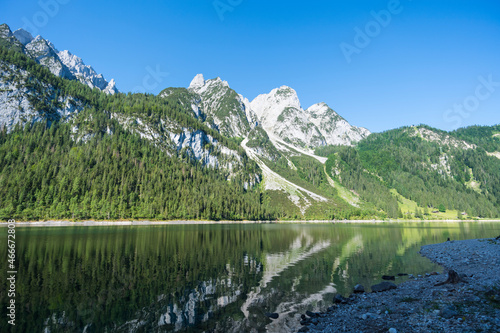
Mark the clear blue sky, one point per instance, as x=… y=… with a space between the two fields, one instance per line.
x=415 y=65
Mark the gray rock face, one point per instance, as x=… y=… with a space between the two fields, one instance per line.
x=23 y=36
x=45 y=54
x=15 y=107
x=281 y=114
x=228 y=112
x=85 y=73
x=383 y=286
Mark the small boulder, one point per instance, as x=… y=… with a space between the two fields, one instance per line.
x=272 y=315
x=383 y=286
x=402 y=274
x=448 y=312
x=393 y=330
x=388 y=277
x=359 y=288
x=340 y=299
x=311 y=314
x=369 y=315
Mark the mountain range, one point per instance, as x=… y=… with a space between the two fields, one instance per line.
x=60 y=63
x=73 y=147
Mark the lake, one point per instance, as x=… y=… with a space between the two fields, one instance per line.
x=213 y=278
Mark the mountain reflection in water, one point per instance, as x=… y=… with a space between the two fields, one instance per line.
x=208 y=278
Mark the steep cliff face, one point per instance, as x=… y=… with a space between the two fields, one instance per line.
x=334 y=128
x=282 y=116
x=18 y=100
x=46 y=54
x=85 y=73
x=180 y=140
x=224 y=109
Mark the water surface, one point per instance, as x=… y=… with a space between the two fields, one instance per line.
x=213 y=278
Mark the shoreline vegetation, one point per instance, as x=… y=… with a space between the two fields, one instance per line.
x=464 y=298
x=62 y=223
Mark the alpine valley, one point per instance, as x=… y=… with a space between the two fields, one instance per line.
x=73 y=147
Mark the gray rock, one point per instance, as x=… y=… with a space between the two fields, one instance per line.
x=359 y=288
x=448 y=312
x=311 y=314
x=340 y=299
x=331 y=309
x=388 y=277
x=369 y=315
x=272 y=315
x=383 y=286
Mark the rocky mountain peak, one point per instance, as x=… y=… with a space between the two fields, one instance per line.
x=197 y=82
x=5 y=31
x=63 y=63
x=111 y=88
x=268 y=107
x=23 y=36
x=318 y=108
x=85 y=73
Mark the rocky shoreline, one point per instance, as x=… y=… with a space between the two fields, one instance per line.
x=467 y=302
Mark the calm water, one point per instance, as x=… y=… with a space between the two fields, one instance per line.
x=213 y=278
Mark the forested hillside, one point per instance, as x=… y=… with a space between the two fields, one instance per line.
x=90 y=166
x=71 y=152
x=437 y=170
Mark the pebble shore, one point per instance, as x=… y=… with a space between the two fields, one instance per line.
x=423 y=304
